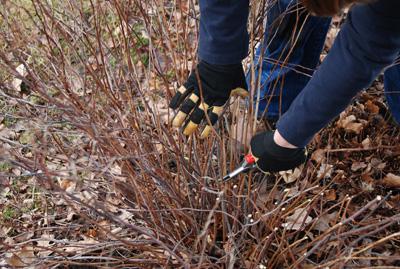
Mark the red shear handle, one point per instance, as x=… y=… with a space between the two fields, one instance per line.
x=250 y=159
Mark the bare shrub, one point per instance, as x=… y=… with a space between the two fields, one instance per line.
x=131 y=191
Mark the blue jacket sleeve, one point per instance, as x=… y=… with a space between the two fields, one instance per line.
x=223 y=31
x=368 y=42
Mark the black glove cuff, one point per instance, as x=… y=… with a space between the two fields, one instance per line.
x=272 y=157
x=217 y=80
x=228 y=68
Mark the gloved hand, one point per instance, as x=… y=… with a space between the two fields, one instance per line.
x=218 y=83
x=270 y=157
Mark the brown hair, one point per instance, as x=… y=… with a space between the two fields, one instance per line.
x=329 y=7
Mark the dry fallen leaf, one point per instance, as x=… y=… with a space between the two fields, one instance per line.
x=291 y=175
x=77 y=84
x=318 y=156
x=125 y=215
x=292 y=191
x=43 y=247
x=367 y=179
x=262 y=198
x=91 y=232
x=394 y=201
x=371 y=107
x=357 y=166
x=324 y=222
x=391 y=180
x=79 y=246
x=71 y=216
x=67 y=185
x=366 y=143
x=367 y=183
x=325 y=171
x=16 y=83
x=349 y=124
x=330 y=37
x=330 y=195
x=24 y=237
x=297 y=220
x=23 y=258
x=377 y=163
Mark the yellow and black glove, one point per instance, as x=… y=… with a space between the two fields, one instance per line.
x=216 y=83
x=270 y=157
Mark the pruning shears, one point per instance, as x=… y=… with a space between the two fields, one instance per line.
x=249 y=162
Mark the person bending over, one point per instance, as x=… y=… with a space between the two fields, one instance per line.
x=368 y=44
